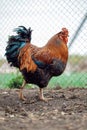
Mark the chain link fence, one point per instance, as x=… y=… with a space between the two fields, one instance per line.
x=46 y=18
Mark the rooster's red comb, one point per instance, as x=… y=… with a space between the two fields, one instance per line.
x=65 y=30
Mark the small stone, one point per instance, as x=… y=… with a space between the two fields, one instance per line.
x=63 y=113
x=2 y=118
x=12 y=116
x=4 y=92
x=54 y=118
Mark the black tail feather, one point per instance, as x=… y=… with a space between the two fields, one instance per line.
x=15 y=42
x=24 y=33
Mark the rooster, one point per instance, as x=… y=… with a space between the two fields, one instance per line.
x=37 y=64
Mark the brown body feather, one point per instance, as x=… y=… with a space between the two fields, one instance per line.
x=54 y=49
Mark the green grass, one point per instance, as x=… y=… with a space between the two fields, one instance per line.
x=5 y=78
x=65 y=80
x=70 y=80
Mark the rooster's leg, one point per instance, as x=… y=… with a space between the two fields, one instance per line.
x=41 y=96
x=21 y=96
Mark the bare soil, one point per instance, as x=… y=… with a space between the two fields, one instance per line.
x=67 y=110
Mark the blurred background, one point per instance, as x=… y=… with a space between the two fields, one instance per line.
x=46 y=18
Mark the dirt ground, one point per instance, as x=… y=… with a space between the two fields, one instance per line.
x=67 y=110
